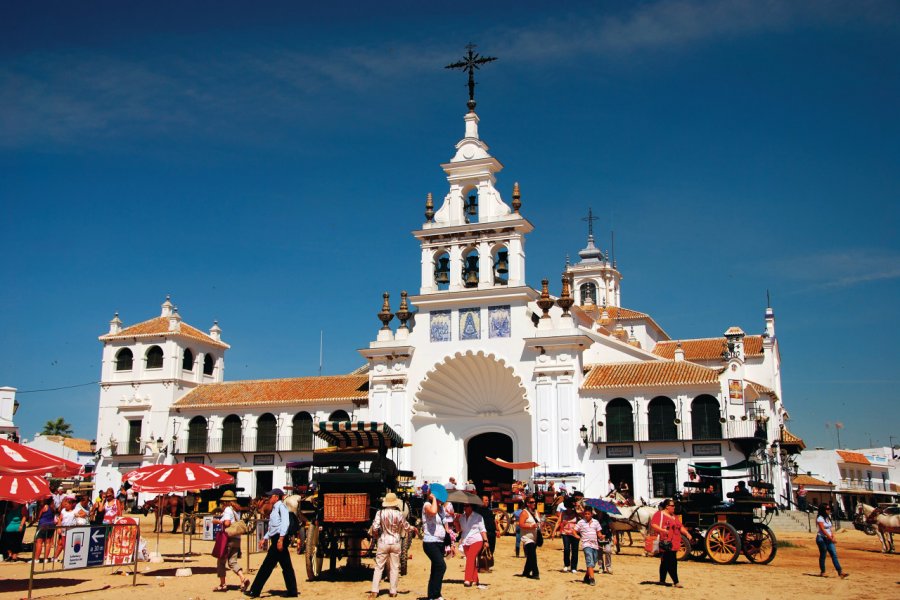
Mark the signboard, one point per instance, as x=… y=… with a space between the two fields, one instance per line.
x=96 y=546
x=75 y=553
x=736 y=391
x=264 y=459
x=210 y=529
x=199 y=460
x=619 y=451
x=707 y=449
x=122 y=542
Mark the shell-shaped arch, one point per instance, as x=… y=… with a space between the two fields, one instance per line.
x=471 y=385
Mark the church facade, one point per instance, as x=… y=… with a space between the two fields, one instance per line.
x=476 y=364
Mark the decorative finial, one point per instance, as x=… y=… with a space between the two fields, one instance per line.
x=470 y=62
x=429 y=208
x=544 y=303
x=517 y=198
x=385 y=316
x=403 y=312
x=565 y=300
x=590 y=221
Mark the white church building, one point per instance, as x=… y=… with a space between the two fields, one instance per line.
x=476 y=364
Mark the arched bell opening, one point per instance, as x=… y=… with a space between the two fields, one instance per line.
x=441 y=265
x=500 y=262
x=470 y=273
x=587 y=293
x=470 y=205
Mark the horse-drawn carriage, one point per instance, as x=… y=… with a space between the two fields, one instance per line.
x=724 y=531
x=351 y=477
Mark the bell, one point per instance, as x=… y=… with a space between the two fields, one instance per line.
x=442 y=273
x=471 y=206
x=471 y=271
x=503 y=262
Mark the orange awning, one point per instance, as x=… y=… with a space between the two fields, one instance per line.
x=511 y=465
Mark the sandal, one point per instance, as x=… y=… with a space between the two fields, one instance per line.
x=245 y=585
x=220 y=588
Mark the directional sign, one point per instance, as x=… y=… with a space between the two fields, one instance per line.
x=75 y=555
x=96 y=546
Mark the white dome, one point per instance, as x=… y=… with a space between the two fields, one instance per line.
x=471 y=385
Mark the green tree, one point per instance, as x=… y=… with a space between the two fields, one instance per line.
x=57 y=427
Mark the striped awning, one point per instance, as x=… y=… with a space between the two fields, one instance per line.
x=359 y=434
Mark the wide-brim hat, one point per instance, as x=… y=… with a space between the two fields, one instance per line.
x=391 y=501
x=228 y=496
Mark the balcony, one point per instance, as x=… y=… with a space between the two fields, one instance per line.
x=680 y=432
x=869 y=485
x=220 y=445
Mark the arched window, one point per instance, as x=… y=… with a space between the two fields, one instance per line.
x=470 y=272
x=619 y=421
x=187 y=363
x=209 y=364
x=339 y=415
x=661 y=419
x=197 y=434
x=588 y=290
x=124 y=360
x=705 y=423
x=231 y=434
x=266 y=432
x=302 y=432
x=154 y=357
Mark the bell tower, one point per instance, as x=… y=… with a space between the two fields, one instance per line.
x=474 y=240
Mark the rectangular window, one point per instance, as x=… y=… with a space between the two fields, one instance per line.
x=663 y=479
x=134 y=436
x=499 y=325
x=440 y=326
x=470 y=323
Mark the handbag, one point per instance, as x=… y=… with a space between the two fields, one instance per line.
x=220 y=545
x=665 y=545
x=538 y=535
x=485 y=558
x=651 y=544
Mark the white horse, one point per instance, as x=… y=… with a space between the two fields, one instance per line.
x=885 y=525
x=632 y=518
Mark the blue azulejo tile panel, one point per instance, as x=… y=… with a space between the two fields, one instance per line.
x=440 y=326
x=499 y=321
x=469 y=323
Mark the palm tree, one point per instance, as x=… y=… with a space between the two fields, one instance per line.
x=57 y=427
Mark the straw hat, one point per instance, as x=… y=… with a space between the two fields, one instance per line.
x=391 y=501
x=228 y=496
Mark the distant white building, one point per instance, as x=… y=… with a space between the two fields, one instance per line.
x=481 y=365
x=854 y=477
x=8 y=407
x=73 y=449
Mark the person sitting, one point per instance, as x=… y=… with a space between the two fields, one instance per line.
x=740 y=491
x=383 y=464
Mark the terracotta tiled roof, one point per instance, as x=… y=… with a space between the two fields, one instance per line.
x=789 y=439
x=77 y=444
x=707 y=348
x=648 y=374
x=760 y=388
x=622 y=314
x=853 y=457
x=808 y=480
x=160 y=326
x=301 y=390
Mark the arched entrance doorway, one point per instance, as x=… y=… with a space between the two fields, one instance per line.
x=495 y=445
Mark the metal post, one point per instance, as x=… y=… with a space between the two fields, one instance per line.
x=137 y=550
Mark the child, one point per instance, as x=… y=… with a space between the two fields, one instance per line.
x=606 y=545
x=590 y=534
x=449 y=522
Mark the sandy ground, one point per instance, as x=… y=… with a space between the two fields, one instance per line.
x=793 y=573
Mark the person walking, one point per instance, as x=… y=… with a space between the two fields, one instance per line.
x=43 y=539
x=389 y=528
x=473 y=535
x=433 y=539
x=112 y=507
x=669 y=529
x=529 y=524
x=825 y=541
x=279 y=549
x=490 y=524
x=588 y=531
x=232 y=554
x=516 y=514
x=565 y=526
x=801 y=498
x=13 y=530
x=606 y=543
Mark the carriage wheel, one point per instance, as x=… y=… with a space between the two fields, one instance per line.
x=723 y=543
x=685 y=551
x=760 y=545
x=501 y=519
x=405 y=543
x=313 y=562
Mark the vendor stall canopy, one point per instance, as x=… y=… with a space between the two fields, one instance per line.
x=358 y=435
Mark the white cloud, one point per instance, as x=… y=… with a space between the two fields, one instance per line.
x=834 y=270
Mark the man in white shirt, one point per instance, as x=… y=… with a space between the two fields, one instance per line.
x=452 y=484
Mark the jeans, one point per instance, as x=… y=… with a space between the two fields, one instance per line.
x=518 y=539
x=435 y=553
x=590 y=557
x=668 y=564
x=531 y=564
x=570 y=551
x=826 y=545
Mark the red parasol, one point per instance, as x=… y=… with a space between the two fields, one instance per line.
x=16 y=459
x=23 y=488
x=511 y=465
x=177 y=478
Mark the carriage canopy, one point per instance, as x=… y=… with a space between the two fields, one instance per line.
x=359 y=435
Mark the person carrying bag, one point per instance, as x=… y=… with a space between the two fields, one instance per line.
x=668 y=541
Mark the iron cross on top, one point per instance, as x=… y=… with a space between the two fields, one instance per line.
x=469 y=63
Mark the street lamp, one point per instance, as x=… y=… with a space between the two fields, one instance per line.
x=584 y=437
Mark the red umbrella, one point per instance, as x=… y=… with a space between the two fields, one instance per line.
x=17 y=459
x=179 y=477
x=23 y=488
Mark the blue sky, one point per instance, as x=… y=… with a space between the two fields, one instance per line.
x=265 y=163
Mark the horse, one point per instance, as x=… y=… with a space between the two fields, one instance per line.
x=632 y=518
x=886 y=525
